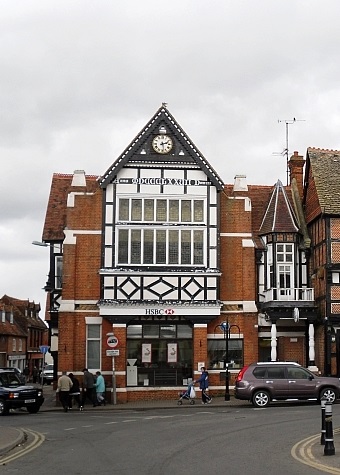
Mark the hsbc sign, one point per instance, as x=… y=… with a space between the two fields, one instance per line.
x=159 y=311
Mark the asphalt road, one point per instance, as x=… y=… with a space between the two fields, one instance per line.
x=203 y=440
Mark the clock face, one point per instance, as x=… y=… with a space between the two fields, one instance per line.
x=162 y=144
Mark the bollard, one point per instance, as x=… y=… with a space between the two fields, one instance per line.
x=323 y=424
x=329 y=441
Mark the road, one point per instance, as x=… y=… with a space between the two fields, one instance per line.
x=190 y=440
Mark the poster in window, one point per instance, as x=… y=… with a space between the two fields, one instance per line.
x=172 y=352
x=146 y=353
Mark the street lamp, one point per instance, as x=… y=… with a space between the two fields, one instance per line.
x=39 y=243
x=226 y=328
x=53 y=322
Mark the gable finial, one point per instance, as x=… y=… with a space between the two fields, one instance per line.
x=164 y=104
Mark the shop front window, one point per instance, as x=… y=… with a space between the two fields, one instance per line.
x=163 y=353
x=217 y=353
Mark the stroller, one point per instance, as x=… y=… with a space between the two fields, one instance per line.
x=188 y=394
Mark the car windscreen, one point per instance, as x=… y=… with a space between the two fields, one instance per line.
x=9 y=380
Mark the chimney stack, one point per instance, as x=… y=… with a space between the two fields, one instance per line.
x=296 y=164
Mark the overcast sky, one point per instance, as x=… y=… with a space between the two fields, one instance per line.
x=79 y=79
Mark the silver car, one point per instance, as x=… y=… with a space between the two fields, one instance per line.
x=262 y=382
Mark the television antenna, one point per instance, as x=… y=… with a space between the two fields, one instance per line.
x=288 y=122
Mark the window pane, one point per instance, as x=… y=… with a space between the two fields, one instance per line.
x=174 y=210
x=217 y=353
x=280 y=248
x=151 y=331
x=135 y=246
x=160 y=247
x=289 y=248
x=93 y=331
x=123 y=209
x=173 y=247
x=161 y=210
x=184 y=331
x=58 y=272
x=148 y=247
x=186 y=247
x=185 y=211
x=136 y=212
x=198 y=247
x=198 y=210
x=93 y=354
x=134 y=331
x=168 y=331
x=148 y=210
x=123 y=246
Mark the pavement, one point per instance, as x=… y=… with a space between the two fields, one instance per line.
x=308 y=451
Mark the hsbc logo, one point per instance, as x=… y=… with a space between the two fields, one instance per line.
x=159 y=311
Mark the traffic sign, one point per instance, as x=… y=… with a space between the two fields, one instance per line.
x=112 y=341
x=44 y=349
x=112 y=352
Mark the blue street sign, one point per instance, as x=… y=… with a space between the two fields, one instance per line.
x=44 y=349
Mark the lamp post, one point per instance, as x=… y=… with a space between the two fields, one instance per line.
x=226 y=332
x=53 y=310
x=226 y=328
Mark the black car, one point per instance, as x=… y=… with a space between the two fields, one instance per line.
x=14 y=394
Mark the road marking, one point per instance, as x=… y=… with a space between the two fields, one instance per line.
x=71 y=428
x=38 y=439
x=91 y=425
x=130 y=420
x=302 y=452
x=115 y=422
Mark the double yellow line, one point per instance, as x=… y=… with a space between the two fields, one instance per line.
x=37 y=440
x=302 y=451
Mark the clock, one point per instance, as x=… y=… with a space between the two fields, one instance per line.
x=162 y=144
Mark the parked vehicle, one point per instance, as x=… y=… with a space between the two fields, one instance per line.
x=18 y=372
x=47 y=374
x=260 y=383
x=15 y=395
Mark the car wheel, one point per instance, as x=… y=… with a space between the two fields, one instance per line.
x=33 y=408
x=328 y=394
x=3 y=408
x=261 y=399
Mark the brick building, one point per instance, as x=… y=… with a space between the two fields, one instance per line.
x=158 y=268
x=21 y=333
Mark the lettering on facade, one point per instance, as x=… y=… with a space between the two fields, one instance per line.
x=159 y=311
x=161 y=181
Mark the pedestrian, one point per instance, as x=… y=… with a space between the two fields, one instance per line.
x=35 y=374
x=74 y=392
x=100 y=389
x=204 y=385
x=88 y=387
x=64 y=387
x=27 y=373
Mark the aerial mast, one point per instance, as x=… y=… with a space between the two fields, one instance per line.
x=288 y=122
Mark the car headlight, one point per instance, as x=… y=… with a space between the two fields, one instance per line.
x=13 y=395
